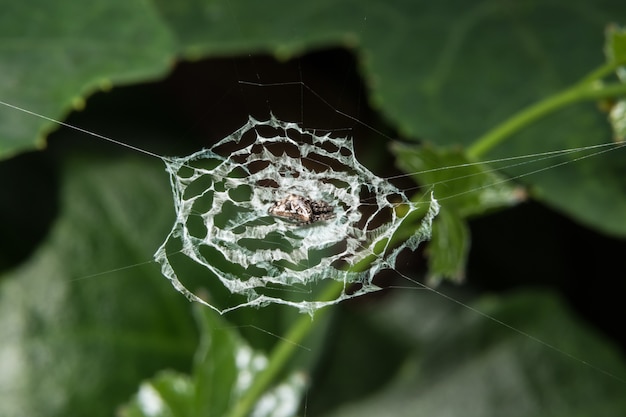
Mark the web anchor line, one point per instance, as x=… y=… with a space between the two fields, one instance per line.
x=85 y=131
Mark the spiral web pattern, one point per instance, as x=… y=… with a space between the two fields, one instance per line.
x=223 y=199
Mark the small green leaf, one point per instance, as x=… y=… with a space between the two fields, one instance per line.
x=448 y=248
x=463 y=189
x=216 y=370
x=225 y=367
x=169 y=394
x=615 y=50
x=615 y=46
x=617 y=116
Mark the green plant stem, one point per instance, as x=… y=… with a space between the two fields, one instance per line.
x=601 y=72
x=282 y=353
x=588 y=90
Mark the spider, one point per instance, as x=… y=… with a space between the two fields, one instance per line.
x=301 y=209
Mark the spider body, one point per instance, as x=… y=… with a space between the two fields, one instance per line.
x=302 y=210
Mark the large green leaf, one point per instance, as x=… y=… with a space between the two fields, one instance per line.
x=76 y=344
x=446 y=72
x=52 y=55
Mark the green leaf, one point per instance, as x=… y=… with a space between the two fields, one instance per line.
x=463 y=364
x=448 y=248
x=615 y=50
x=168 y=394
x=430 y=66
x=432 y=91
x=617 y=116
x=464 y=189
x=615 y=47
x=225 y=366
x=55 y=54
x=71 y=339
x=216 y=369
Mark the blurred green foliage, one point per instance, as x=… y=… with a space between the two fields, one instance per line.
x=75 y=343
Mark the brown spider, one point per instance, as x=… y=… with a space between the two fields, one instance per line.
x=301 y=209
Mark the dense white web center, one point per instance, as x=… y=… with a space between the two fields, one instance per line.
x=225 y=199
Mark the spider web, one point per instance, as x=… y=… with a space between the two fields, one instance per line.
x=222 y=196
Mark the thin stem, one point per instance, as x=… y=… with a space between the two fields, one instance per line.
x=601 y=72
x=588 y=90
x=282 y=353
